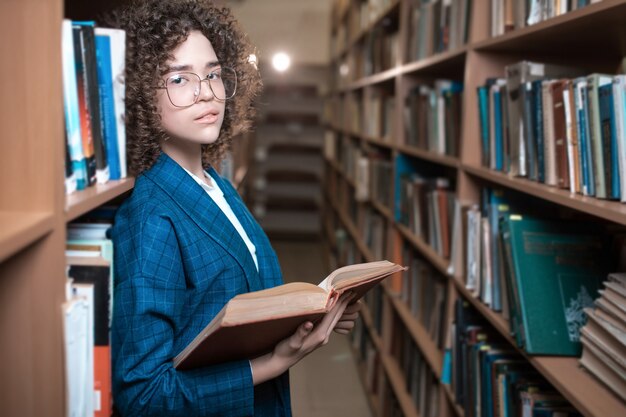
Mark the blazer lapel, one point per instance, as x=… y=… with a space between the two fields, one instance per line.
x=194 y=201
x=263 y=248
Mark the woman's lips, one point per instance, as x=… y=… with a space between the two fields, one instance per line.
x=207 y=118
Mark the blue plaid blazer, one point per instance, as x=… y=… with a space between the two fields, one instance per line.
x=178 y=260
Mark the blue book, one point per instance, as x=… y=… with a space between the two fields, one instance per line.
x=404 y=168
x=557 y=268
x=583 y=115
x=488 y=388
x=497 y=119
x=483 y=110
x=609 y=139
x=71 y=109
x=107 y=104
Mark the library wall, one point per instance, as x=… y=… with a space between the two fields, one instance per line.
x=433 y=161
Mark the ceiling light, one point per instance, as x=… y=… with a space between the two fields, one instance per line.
x=281 y=61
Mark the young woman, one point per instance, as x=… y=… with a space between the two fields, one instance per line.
x=185 y=243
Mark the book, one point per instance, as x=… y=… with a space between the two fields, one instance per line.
x=118 y=64
x=107 y=105
x=78 y=357
x=97 y=271
x=251 y=324
x=556 y=270
x=92 y=96
x=71 y=108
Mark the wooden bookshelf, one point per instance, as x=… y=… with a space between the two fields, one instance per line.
x=591 y=38
x=392 y=370
x=79 y=203
x=20 y=230
x=419 y=334
x=34 y=209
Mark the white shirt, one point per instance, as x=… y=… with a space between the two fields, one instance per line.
x=217 y=195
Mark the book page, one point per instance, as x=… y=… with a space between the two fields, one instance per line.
x=349 y=276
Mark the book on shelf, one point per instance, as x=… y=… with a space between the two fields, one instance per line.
x=251 y=324
x=555 y=269
x=604 y=336
x=78 y=346
x=96 y=271
x=89 y=101
x=102 y=45
x=71 y=110
x=117 y=39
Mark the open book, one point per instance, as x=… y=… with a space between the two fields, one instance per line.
x=251 y=324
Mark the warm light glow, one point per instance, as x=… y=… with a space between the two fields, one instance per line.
x=252 y=59
x=281 y=61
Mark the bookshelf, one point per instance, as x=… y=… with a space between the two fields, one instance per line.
x=34 y=210
x=573 y=38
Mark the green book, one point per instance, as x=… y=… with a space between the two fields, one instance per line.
x=557 y=268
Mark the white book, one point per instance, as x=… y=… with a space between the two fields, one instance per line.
x=77 y=351
x=569 y=137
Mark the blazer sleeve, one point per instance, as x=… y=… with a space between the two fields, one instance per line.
x=149 y=296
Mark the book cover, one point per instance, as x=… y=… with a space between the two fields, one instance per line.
x=85 y=118
x=88 y=51
x=596 y=139
x=251 y=324
x=107 y=104
x=560 y=134
x=609 y=140
x=586 y=157
x=619 y=110
x=558 y=269
x=71 y=107
x=118 y=66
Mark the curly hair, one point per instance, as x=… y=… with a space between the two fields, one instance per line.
x=154 y=28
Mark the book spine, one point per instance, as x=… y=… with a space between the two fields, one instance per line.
x=595 y=137
x=609 y=140
x=88 y=45
x=107 y=104
x=619 y=105
x=86 y=127
x=71 y=108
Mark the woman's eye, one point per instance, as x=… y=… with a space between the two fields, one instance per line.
x=214 y=75
x=177 y=80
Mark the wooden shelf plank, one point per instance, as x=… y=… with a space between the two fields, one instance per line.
x=420 y=336
x=81 y=202
x=385 y=211
x=447 y=160
x=428 y=252
x=19 y=230
x=394 y=374
x=372 y=399
x=608 y=210
x=602 y=23
x=455 y=406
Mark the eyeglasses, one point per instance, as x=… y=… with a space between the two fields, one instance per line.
x=183 y=88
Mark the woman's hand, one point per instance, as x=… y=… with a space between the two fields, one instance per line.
x=304 y=341
x=346 y=322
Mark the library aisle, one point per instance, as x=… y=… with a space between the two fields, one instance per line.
x=326 y=383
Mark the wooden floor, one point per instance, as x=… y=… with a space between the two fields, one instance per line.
x=325 y=383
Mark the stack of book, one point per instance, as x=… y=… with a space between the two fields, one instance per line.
x=556 y=125
x=93 y=94
x=604 y=336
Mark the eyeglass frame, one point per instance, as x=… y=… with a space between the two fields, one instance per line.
x=197 y=96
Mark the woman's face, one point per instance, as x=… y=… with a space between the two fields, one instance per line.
x=200 y=122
